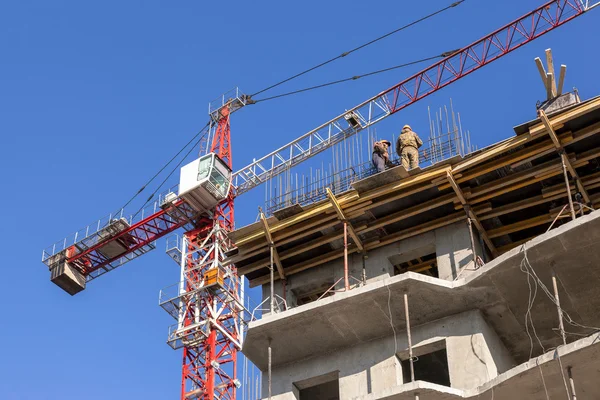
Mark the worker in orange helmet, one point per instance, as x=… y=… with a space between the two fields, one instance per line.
x=381 y=157
x=407 y=147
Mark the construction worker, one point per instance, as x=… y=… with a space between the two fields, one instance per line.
x=381 y=157
x=407 y=147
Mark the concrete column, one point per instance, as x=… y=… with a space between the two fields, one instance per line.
x=453 y=250
x=385 y=374
x=354 y=385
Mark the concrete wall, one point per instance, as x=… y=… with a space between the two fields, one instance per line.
x=475 y=355
x=452 y=245
x=453 y=250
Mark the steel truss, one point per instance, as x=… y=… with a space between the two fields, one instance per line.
x=458 y=64
x=210 y=309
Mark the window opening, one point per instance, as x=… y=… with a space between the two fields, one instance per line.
x=325 y=391
x=426 y=265
x=429 y=367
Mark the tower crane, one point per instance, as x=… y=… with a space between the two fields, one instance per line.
x=207 y=303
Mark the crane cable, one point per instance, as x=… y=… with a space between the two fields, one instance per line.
x=166 y=165
x=175 y=168
x=355 y=77
x=344 y=54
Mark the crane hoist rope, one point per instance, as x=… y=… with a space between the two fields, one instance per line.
x=344 y=54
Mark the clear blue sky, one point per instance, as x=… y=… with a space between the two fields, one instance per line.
x=96 y=96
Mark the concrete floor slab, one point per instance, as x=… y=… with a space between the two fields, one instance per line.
x=538 y=379
x=499 y=289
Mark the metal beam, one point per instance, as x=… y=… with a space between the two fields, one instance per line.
x=342 y=217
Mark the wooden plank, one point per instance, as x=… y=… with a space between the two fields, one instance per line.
x=417 y=230
x=544 y=148
x=564 y=158
x=521 y=205
x=549 y=79
x=262 y=263
x=510 y=246
x=586 y=132
x=524 y=161
x=272 y=245
x=420 y=266
x=405 y=183
x=550 y=64
x=342 y=217
x=287 y=236
x=495 y=151
x=426 y=227
x=549 y=129
x=332 y=255
x=286 y=223
x=409 y=212
x=561 y=79
x=541 y=70
x=566 y=116
x=521 y=225
x=472 y=215
x=400 y=195
x=512 y=179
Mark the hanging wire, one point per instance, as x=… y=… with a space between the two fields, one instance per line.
x=344 y=54
x=175 y=168
x=353 y=78
x=165 y=166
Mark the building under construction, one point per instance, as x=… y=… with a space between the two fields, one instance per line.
x=470 y=275
x=471 y=278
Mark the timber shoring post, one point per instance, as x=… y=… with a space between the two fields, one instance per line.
x=564 y=165
x=364 y=268
x=470 y=224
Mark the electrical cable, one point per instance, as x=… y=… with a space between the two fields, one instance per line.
x=163 y=167
x=391 y=322
x=562 y=372
x=344 y=54
x=353 y=78
x=537 y=362
x=545 y=289
x=173 y=170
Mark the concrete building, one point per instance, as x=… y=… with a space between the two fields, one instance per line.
x=473 y=250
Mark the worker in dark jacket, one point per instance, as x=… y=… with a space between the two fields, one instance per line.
x=407 y=148
x=381 y=157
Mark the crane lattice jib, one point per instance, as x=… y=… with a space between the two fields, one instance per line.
x=458 y=64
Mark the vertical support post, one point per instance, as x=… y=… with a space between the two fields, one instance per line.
x=564 y=165
x=409 y=337
x=572 y=383
x=364 y=268
x=270 y=371
x=470 y=225
x=560 y=316
x=346 y=280
x=272 y=302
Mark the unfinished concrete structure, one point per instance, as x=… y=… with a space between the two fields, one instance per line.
x=475 y=276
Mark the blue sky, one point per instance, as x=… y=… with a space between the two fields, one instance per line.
x=96 y=96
